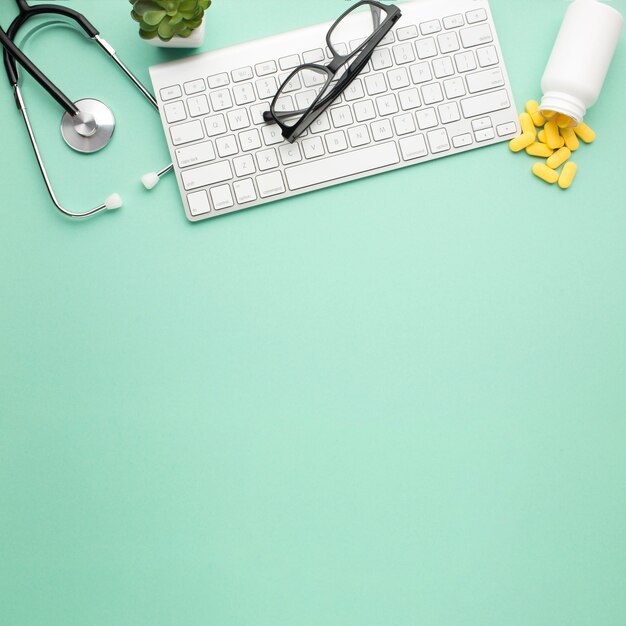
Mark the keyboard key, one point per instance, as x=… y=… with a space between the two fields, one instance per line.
x=313 y=147
x=487 y=79
x=364 y=110
x=226 y=146
x=250 y=140
x=284 y=103
x=198 y=203
x=290 y=153
x=375 y=84
x=270 y=184
x=438 y=140
x=381 y=130
x=342 y=116
x=476 y=35
x=272 y=134
x=170 y=93
x=342 y=165
x=428 y=28
x=289 y=62
x=409 y=99
x=321 y=124
x=335 y=142
x=487 y=56
x=222 y=197
x=461 y=141
x=304 y=99
x=266 y=87
x=292 y=85
x=398 y=78
x=198 y=105
x=443 y=67
x=426 y=48
x=485 y=134
x=388 y=38
x=267 y=159
x=221 y=100
x=218 y=80
x=453 y=21
x=185 y=133
x=403 y=53
x=175 y=112
x=244 y=191
x=426 y=118
x=449 y=112
x=206 y=175
x=238 y=119
x=465 y=61
x=485 y=103
x=263 y=69
x=404 y=124
x=313 y=56
x=354 y=91
x=195 y=86
x=244 y=165
x=257 y=110
x=244 y=94
x=215 y=125
x=387 y=104
x=477 y=15
x=420 y=73
x=432 y=93
x=381 y=59
x=448 y=42
x=359 y=136
x=196 y=154
x=481 y=122
x=408 y=32
x=413 y=147
x=454 y=87
x=243 y=73
x=506 y=129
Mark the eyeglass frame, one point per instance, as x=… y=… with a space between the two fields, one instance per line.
x=363 y=54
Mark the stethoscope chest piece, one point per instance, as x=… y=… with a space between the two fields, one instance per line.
x=91 y=129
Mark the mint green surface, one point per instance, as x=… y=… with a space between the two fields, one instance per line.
x=397 y=401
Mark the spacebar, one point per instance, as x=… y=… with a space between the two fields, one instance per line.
x=342 y=165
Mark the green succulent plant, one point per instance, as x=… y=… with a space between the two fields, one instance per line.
x=168 y=18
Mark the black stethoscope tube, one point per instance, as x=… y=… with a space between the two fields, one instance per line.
x=13 y=54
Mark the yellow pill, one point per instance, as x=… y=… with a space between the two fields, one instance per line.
x=542 y=136
x=561 y=142
x=532 y=108
x=584 y=132
x=539 y=150
x=569 y=136
x=567 y=175
x=558 y=158
x=521 y=141
x=552 y=134
x=548 y=114
x=541 y=170
x=563 y=121
x=526 y=122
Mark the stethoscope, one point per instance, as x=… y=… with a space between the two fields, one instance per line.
x=87 y=125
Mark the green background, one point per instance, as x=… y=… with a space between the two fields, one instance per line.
x=396 y=401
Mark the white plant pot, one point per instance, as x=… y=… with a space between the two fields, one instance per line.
x=195 y=40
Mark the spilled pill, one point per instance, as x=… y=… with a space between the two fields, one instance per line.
x=526 y=122
x=558 y=158
x=569 y=136
x=548 y=114
x=567 y=175
x=521 y=141
x=541 y=170
x=539 y=150
x=542 y=136
x=532 y=108
x=584 y=132
x=552 y=134
x=563 y=121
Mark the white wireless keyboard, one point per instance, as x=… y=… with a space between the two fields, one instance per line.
x=435 y=86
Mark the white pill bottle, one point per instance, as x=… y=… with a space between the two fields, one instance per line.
x=580 y=58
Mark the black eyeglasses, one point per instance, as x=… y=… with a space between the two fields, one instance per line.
x=311 y=88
